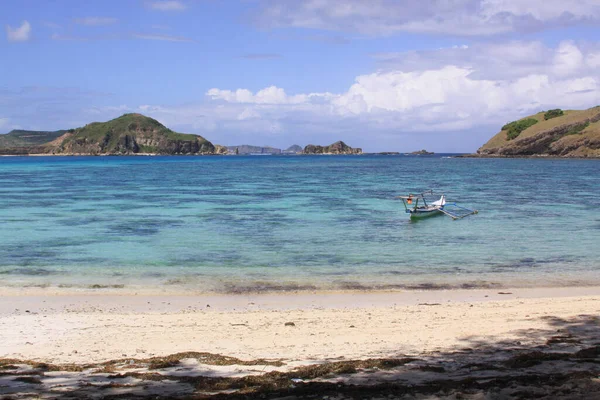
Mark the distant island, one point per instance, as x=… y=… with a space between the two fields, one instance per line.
x=335 y=148
x=246 y=149
x=552 y=133
x=422 y=153
x=136 y=134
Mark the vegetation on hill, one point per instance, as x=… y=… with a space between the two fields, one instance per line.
x=514 y=129
x=22 y=138
x=131 y=134
x=557 y=112
x=568 y=133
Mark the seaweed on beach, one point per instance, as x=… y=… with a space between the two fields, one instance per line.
x=565 y=363
x=204 y=358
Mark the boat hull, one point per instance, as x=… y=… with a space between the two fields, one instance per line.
x=418 y=214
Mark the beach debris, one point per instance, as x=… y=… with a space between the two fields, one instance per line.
x=504 y=292
x=430 y=304
x=289 y=324
x=208 y=306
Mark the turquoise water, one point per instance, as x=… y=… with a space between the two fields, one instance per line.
x=244 y=224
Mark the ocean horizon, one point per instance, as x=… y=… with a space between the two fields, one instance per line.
x=246 y=224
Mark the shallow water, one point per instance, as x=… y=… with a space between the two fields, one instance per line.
x=238 y=224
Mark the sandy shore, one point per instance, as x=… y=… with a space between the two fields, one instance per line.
x=93 y=328
x=447 y=344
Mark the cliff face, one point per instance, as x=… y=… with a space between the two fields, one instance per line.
x=335 y=148
x=573 y=133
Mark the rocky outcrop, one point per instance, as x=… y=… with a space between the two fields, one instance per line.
x=571 y=134
x=221 y=150
x=422 y=153
x=335 y=148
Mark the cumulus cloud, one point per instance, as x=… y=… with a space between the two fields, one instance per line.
x=460 y=17
x=269 y=95
x=19 y=34
x=167 y=5
x=95 y=21
x=441 y=95
x=499 y=61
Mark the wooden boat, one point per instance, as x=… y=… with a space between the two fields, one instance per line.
x=416 y=206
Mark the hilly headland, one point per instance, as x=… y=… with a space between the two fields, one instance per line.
x=552 y=133
x=137 y=134
x=128 y=134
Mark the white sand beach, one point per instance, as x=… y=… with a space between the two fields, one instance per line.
x=83 y=328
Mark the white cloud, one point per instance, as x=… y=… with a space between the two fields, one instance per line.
x=439 y=95
x=268 y=95
x=20 y=34
x=460 y=17
x=167 y=5
x=95 y=21
x=568 y=59
x=500 y=61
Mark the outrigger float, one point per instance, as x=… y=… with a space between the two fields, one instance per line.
x=438 y=207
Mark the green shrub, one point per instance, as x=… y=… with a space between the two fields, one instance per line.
x=514 y=129
x=557 y=112
x=577 y=128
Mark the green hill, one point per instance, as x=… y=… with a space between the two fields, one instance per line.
x=21 y=138
x=128 y=134
x=555 y=133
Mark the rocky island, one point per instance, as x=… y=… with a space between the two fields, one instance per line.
x=422 y=153
x=335 y=148
x=553 y=133
x=128 y=134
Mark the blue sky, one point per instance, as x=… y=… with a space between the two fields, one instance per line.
x=383 y=75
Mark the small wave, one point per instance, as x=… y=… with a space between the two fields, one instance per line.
x=29 y=272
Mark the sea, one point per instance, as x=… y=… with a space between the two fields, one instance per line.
x=245 y=224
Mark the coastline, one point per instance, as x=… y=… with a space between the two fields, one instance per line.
x=532 y=156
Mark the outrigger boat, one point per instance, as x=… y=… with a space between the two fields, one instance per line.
x=438 y=207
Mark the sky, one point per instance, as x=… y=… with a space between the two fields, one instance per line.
x=384 y=75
